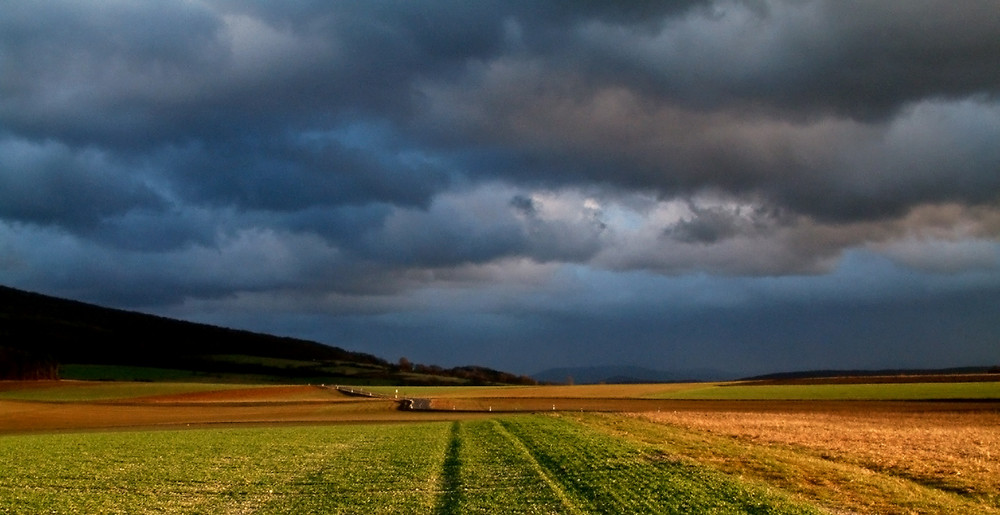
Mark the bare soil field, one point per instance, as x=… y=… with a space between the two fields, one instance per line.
x=248 y=405
x=265 y=394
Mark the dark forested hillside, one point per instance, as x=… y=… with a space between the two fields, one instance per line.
x=83 y=333
x=39 y=333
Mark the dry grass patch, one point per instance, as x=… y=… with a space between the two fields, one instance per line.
x=951 y=452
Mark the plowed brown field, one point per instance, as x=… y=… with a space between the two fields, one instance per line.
x=315 y=404
x=263 y=405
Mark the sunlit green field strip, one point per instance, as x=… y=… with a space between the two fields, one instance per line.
x=599 y=473
x=348 y=469
x=722 y=391
x=890 y=391
x=535 y=464
x=90 y=391
x=568 y=391
x=495 y=470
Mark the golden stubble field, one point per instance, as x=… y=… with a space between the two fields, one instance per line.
x=955 y=451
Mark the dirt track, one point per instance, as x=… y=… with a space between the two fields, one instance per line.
x=310 y=404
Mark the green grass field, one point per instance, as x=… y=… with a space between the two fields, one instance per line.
x=596 y=472
x=372 y=458
x=529 y=464
x=97 y=391
x=725 y=391
x=363 y=468
x=125 y=373
x=892 y=391
x=706 y=391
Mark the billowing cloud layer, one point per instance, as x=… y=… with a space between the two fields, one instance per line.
x=743 y=185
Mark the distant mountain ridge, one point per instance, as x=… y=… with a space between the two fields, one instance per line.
x=39 y=334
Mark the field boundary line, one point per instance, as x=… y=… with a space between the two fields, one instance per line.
x=558 y=490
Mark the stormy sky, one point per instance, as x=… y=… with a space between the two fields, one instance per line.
x=749 y=186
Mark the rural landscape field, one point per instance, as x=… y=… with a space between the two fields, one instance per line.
x=120 y=447
x=459 y=257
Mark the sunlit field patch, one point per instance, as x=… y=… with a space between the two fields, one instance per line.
x=262 y=449
x=605 y=391
x=894 y=391
x=358 y=468
x=528 y=464
x=602 y=473
x=848 y=460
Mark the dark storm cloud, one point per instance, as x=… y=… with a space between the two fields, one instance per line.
x=497 y=172
x=51 y=184
x=865 y=315
x=711 y=224
x=675 y=98
x=805 y=59
x=125 y=74
x=834 y=169
x=282 y=175
x=524 y=205
x=773 y=98
x=479 y=227
x=103 y=73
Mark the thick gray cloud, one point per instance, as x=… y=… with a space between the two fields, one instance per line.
x=862 y=60
x=518 y=183
x=51 y=184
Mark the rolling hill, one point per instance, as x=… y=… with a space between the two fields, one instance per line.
x=43 y=337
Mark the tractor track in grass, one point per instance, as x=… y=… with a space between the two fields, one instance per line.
x=461 y=492
x=596 y=472
x=450 y=500
x=543 y=472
